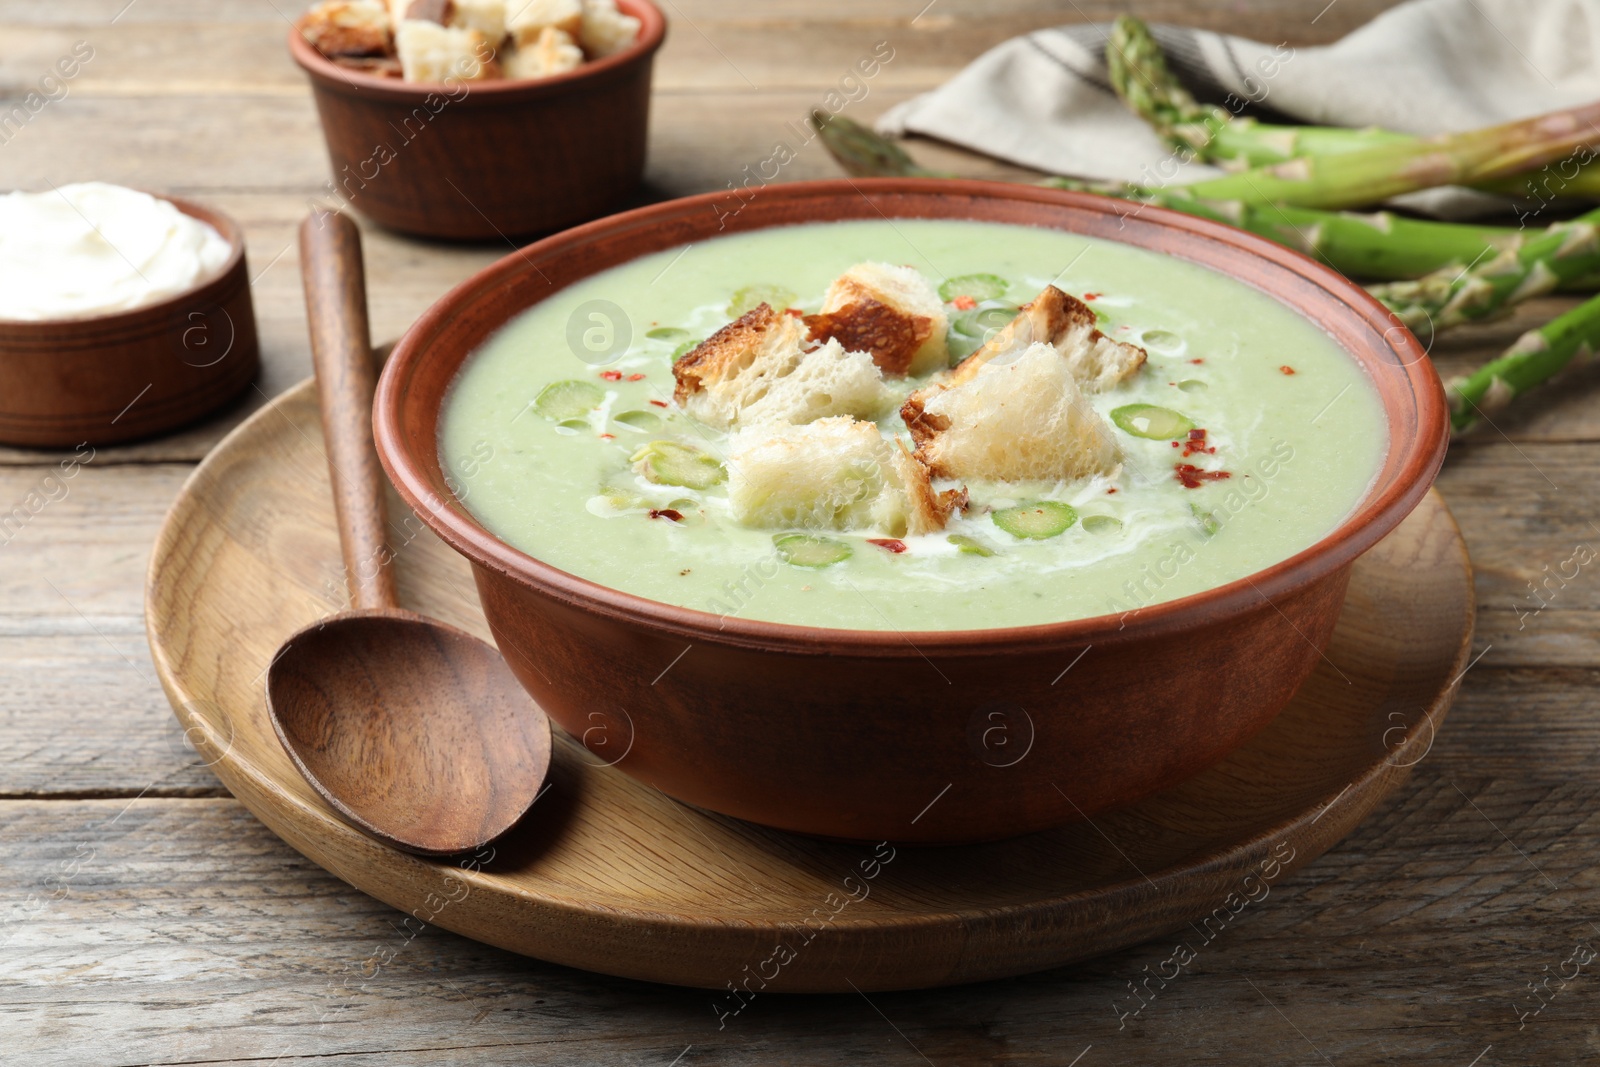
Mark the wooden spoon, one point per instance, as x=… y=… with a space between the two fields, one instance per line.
x=416 y=732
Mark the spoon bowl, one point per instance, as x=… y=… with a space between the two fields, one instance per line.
x=414 y=731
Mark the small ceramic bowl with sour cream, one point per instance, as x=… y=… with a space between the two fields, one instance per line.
x=122 y=315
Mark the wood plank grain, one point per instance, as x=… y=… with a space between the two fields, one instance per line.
x=188 y=933
x=84 y=716
x=180 y=930
x=759 y=54
x=1291 y=20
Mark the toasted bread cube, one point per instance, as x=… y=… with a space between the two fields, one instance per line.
x=826 y=381
x=833 y=474
x=1067 y=324
x=890 y=312
x=605 y=29
x=377 y=66
x=488 y=17
x=436 y=11
x=758 y=369
x=553 y=53
x=927 y=511
x=348 y=28
x=527 y=19
x=430 y=52
x=1018 y=419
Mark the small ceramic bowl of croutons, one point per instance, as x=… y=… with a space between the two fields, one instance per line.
x=480 y=119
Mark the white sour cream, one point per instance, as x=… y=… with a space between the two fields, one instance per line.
x=93 y=248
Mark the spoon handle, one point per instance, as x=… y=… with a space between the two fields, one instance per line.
x=347 y=375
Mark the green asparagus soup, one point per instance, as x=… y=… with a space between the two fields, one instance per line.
x=1245 y=437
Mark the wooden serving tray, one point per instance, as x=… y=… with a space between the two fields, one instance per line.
x=608 y=875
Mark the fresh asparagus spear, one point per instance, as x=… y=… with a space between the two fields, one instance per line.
x=1380 y=246
x=1370 y=175
x=1536 y=357
x=1140 y=75
x=1562 y=254
x=865 y=153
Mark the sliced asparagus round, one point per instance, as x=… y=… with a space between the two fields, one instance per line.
x=979 y=287
x=1097 y=524
x=570 y=399
x=970 y=546
x=808 y=550
x=979 y=321
x=643 y=421
x=1036 y=521
x=673 y=463
x=1152 y=421
x=753 y=296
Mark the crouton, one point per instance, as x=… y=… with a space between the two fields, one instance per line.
x=833 y=474
x=378 y=66
x=605 y=29
x=347 y=28
x=890 y=312
x=758 y=369
x=1067 y=324
x=430 y=52
x=440 y=12
x=927 y=511
x=488 y=17
x=1019 y=419
x=553 y=53
x=527 y=19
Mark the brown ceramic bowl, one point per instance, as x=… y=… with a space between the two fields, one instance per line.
x=483 y=160
x=879 y=734
x=101 y=379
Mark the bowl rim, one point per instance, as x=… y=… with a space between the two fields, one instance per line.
x=1378 y=511
x=130 y=318
x=652 y=32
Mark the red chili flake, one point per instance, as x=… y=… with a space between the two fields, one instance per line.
x=1177 y=444
x=667 y=513
x=608 y=437
x=1193 y=477
x=964 y=302
x=611 y=375
x=635 y=377
x=892 y=544
x=659 y=403
x=1092 y=296
x=1197 y=361
x=1286 y=369
x=1196 y=442
x=1113 y=489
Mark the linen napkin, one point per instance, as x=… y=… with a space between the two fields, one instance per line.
x=1428 y=66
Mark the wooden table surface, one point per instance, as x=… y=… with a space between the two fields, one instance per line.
x=148 y=918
